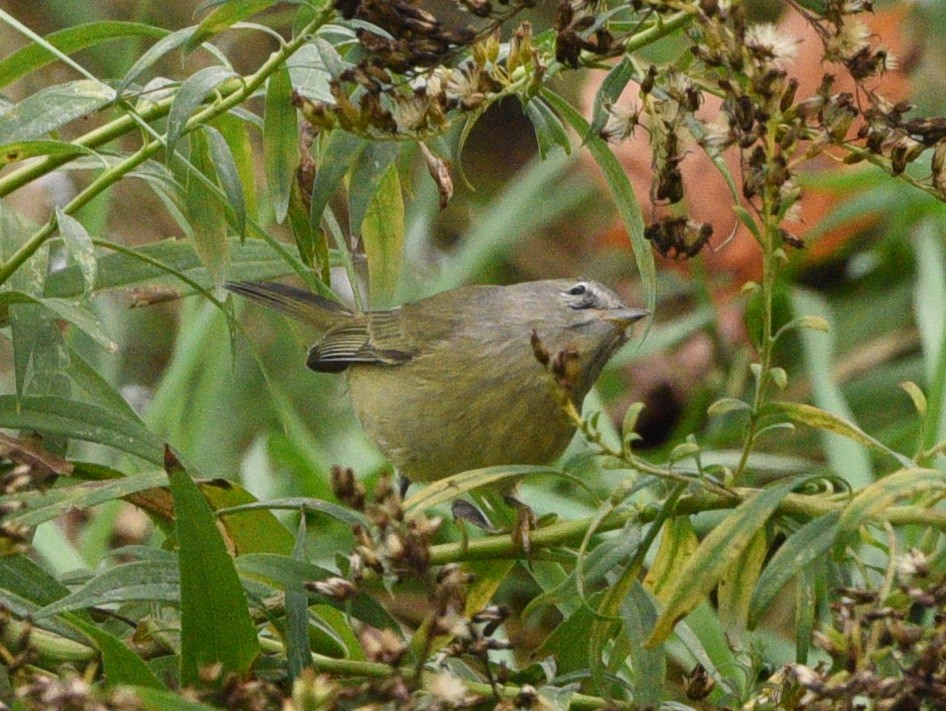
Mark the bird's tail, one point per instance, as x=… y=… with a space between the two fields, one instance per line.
x=301 y=305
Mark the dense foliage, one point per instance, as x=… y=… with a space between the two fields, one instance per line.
x=777 y=545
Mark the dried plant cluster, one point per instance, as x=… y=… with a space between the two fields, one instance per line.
x=417 y=78
x=887 y=649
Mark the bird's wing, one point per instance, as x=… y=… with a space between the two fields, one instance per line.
x=375 y=337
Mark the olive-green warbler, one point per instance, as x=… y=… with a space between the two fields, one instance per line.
x=451 y=383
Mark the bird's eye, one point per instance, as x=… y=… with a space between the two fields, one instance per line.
x=577 y=290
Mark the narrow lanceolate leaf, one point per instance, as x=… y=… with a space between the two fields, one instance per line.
x=678 y=543
x=340 y=152
x=79 y=420
x=140 y=581
x=248 y=530
x=161 y=700
x=153 y=54
x=191 y=95
x=228 y=176
x=225 y=16
x=874 y=499
x=40 y=506
x=737 y=585
x=215 y=622
x=80 y=246
x=367 y=174
x=280 y=141
x=821 y=419
x=625 y=200
x=806 y=545
x=847 y=455
x=383 y=234
x=206 y=211
x=298 y=653
x=639 y=613
x=453 y=486
x=235 y=130
x=609 y=92
x=171 y=261
x=717 y=552
x=21 y=150
x=549 y=131
x=121 y=665
x=52 y=108
x=34 y=57
x=78 y=316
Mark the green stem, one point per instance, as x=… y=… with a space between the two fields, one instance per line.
x=769 y=273
x=243 y=91
x=51 y=649
x=501 y=546
x=374 y=670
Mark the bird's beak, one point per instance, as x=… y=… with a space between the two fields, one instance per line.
x=622 y=318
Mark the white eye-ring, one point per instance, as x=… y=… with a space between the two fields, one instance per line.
x=578 y=290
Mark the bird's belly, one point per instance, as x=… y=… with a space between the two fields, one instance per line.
x=432 y=428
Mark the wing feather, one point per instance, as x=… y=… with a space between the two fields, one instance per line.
x=375 y=337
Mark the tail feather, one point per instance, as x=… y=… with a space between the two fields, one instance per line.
x=301 y=305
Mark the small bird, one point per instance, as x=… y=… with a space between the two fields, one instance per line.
x=451 y=383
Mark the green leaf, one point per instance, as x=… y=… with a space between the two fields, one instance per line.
x=34 y=57
x=383 y=234
x=726 y=405
x=303 y=504
x=253 y=261
x=454 y=486
x=298 y=654
x=225 y=167
x=122 y=666
x=280 y=141
x=235 y=130
x=78 y=316
x=80 y=246
x=41 y=506
x=736 y=587
x=874 y=499
x=608 y=93
x=367 y=176
x=715 y=554
x=806 y=545
x=250 y=530
x=806 y=604
x=215 y=622
x=160 y=700
x=206 y=211
x=154 y=581
x=678 y=543
x=153 y=54
x=96 y=389
x=340 y=152
x=189 y=96
x=929 y=302
x=846 y=453
x=79 y=420
x=549 y=131
x=649 y=666
x=52 y=108
x=625 y=200
x=820 y=419
x=21 y=150
x=224 y=16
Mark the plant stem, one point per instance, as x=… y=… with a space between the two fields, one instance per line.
x=571 y=532
x=769 y=229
